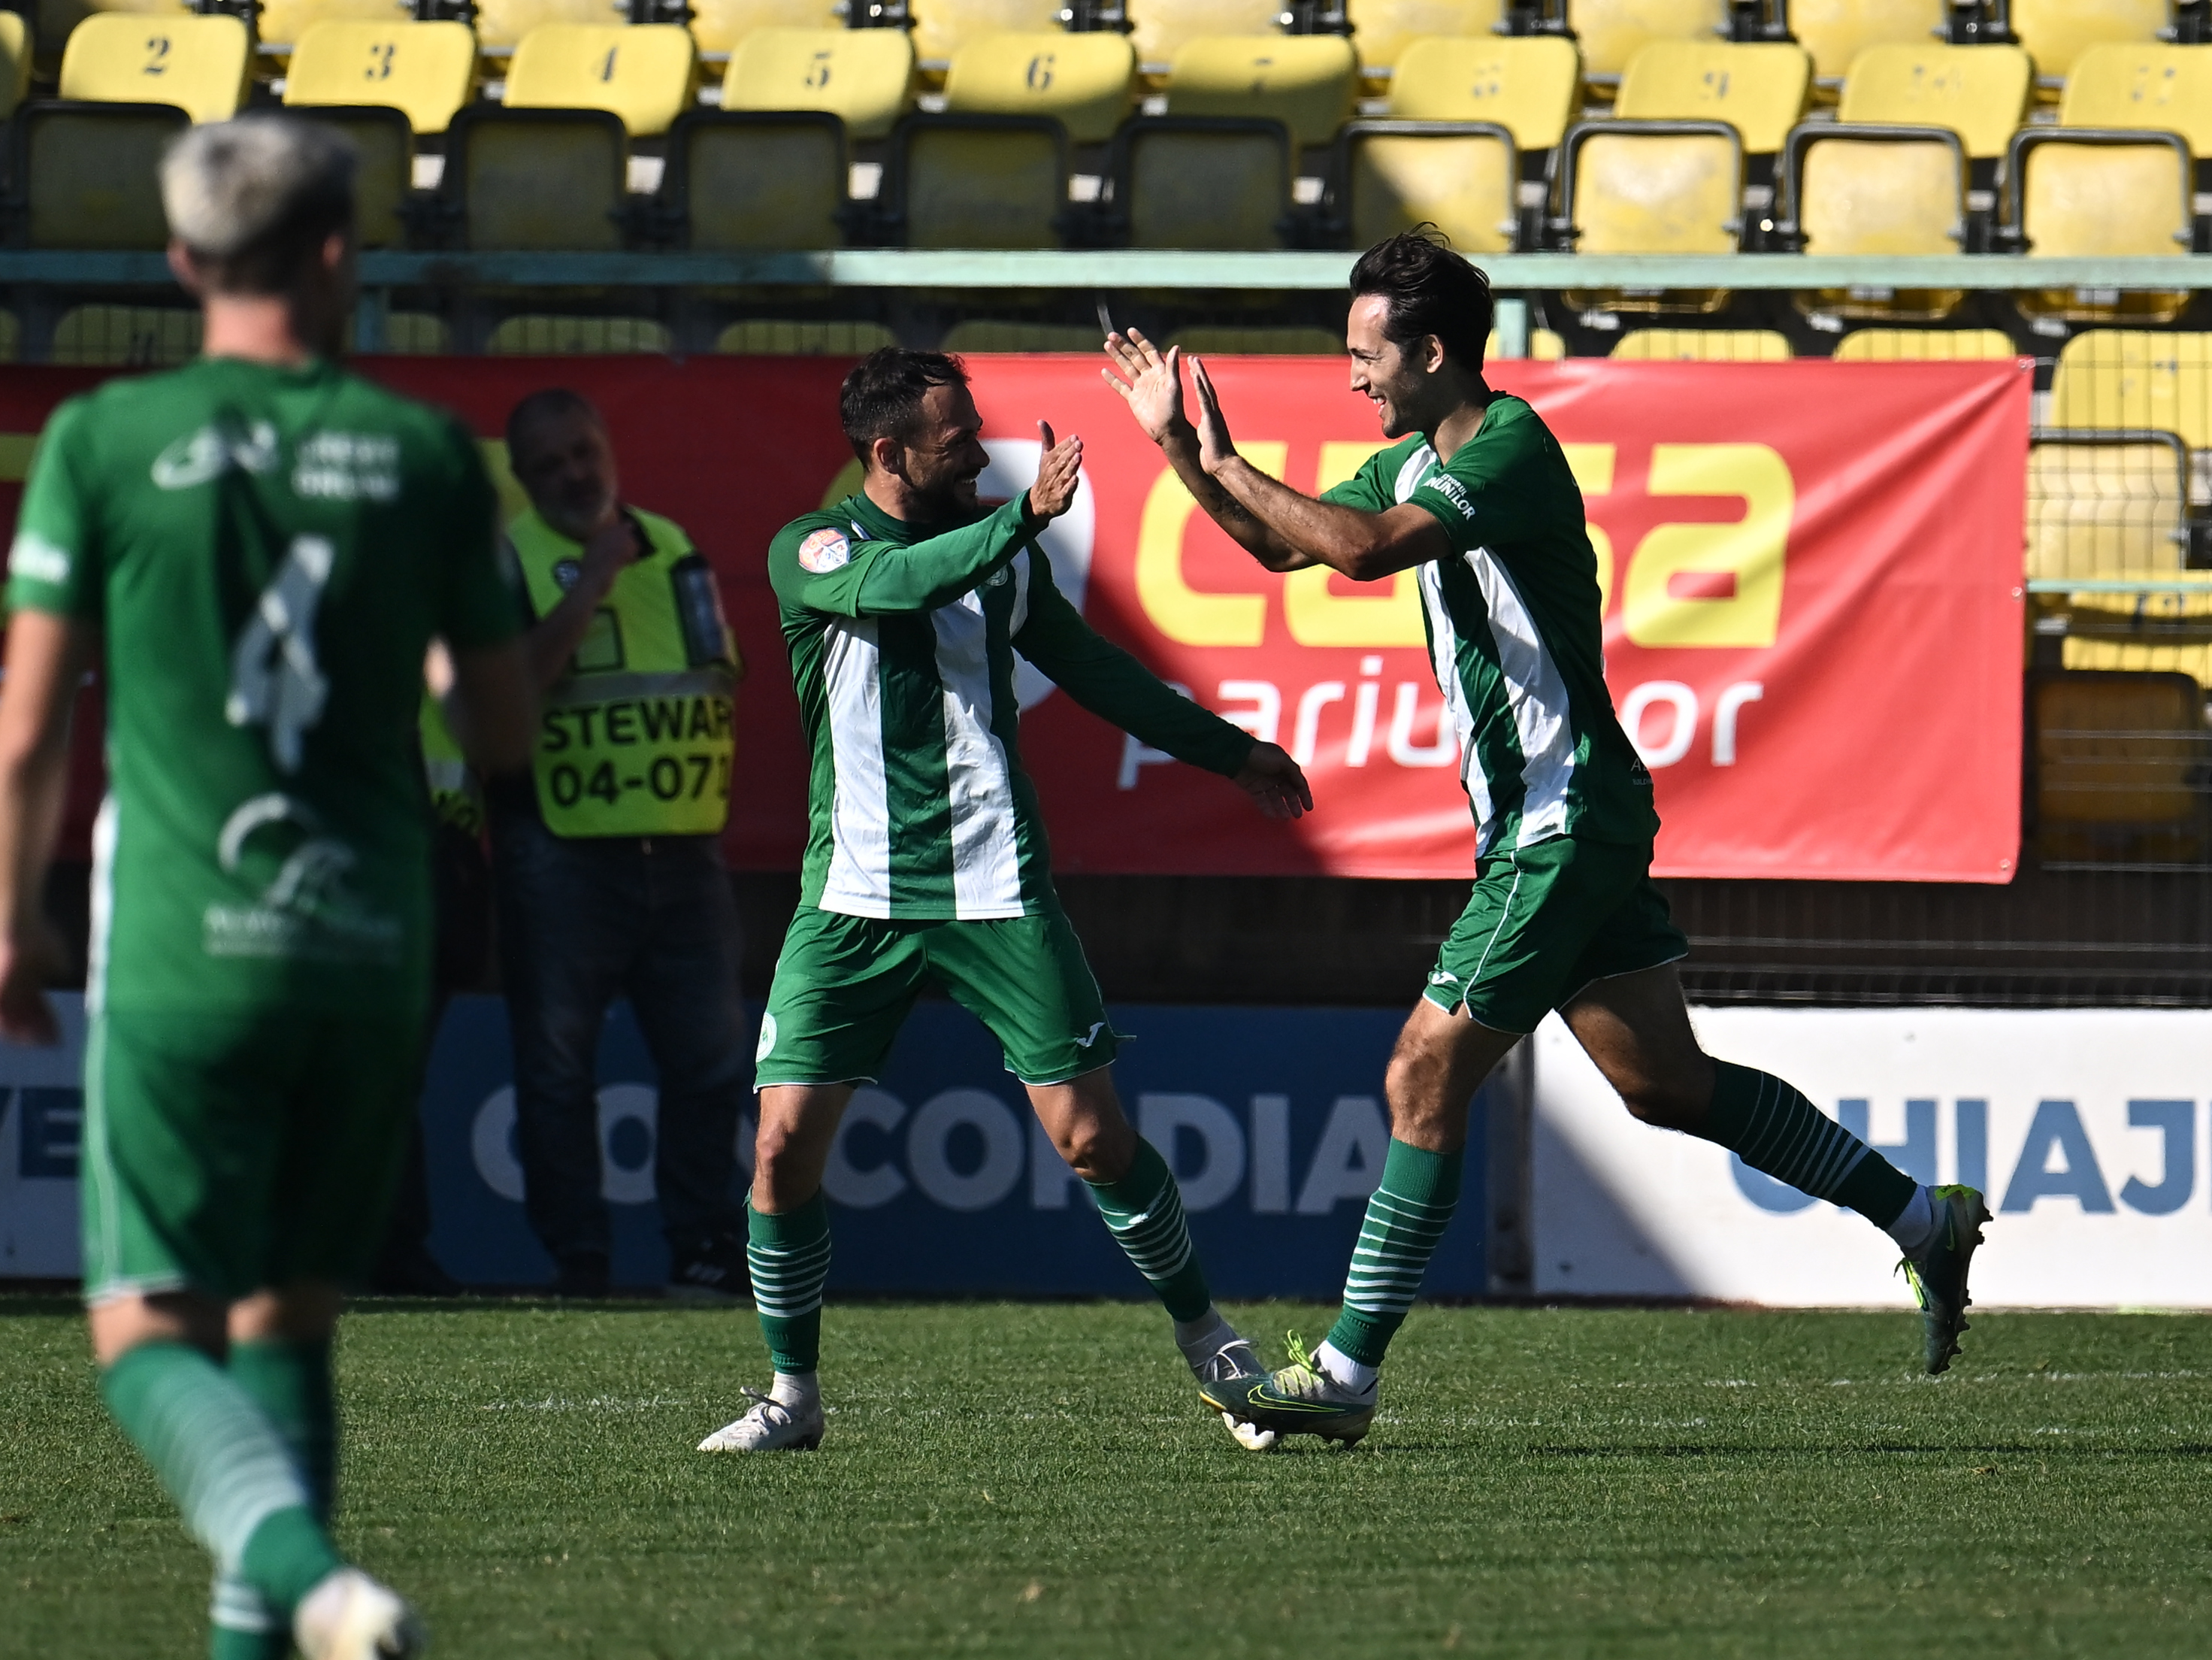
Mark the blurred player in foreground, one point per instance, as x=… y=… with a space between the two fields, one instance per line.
x=267 y=547
x=903 y=606
x=1562 y=915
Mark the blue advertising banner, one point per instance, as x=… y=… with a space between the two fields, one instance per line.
x=942 y=1182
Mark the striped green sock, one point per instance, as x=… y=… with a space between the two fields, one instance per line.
x=291 y=1383
x=788 y=1253
x=226 y=1466
x=1142 y=1211
x=1407 y=1216
x=1776 y=1131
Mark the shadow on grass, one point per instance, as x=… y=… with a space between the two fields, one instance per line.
x=2015 y=1449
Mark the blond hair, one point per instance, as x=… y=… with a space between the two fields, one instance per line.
x=253 y=199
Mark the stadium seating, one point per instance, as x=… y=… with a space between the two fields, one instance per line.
x=977 y=334
x=127 y=336
x=1873 y=188
x=1612 y=32
x=1199 y=182
x=414 y=334
x=1386 y=176
x=642 y=73
x=1532 y=85
x=424 y=69
x=863 y=77
x=85 y=173
x=976 y=181
x=1085 y=81
x=1305 y=81
x=282 y=24
x=2103 y=190
x=1835 y=31
x=15 y=61
x=942 y=29
x=576 y=337
x=384 y=186
x=1702 y=346
x=2133 y=379
x=774 y=337
x=536 y=179
x=2056 y=33
x=2146 y=86
x=197 y=64
x=738 y=180
x=1922 y=345
x=2106 y=506
x=1382 y=29
x=1759 y=89
x=1980 y=93
x=501 y=24
x=1209 y=340
x=1164 y=27
x=719 y=25
x=2115 y=759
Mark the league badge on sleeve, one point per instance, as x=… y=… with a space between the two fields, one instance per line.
x=824 y=551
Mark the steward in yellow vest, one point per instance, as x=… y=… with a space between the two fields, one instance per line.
x=636 y=739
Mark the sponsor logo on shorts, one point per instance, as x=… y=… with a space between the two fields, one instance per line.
x=1440 y=978
x=767 y=1039
x=1086 y=1042
x=824 y=551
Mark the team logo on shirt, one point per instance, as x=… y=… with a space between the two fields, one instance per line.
x=824 y=551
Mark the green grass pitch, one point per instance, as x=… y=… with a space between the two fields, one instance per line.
x=1038 y=1479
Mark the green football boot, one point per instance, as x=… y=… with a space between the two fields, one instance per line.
x=1299 y=1400
x=1938 y=1274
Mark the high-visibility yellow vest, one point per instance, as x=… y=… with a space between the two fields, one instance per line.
x=636 y=739
x=455 y=795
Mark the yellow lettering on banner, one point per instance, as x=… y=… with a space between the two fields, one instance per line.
x=1752 y=552
x=1189 y=616
x=1592 y=466
x=1318 y=616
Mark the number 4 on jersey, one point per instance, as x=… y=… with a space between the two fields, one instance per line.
x=274 y=677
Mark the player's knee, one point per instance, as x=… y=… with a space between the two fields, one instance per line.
x=1097 y=1149
x=1660 y=1103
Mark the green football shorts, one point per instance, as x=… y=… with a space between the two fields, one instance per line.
x=225 y=1151
x=843 y=986
x=1545 y=921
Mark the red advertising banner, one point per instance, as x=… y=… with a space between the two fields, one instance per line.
x=1813 y=574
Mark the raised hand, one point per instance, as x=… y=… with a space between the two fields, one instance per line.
x=1151 y=383
x=1215 y=447
x=1271 y=778
x=1059 y=470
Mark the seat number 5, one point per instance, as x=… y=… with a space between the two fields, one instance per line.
x=275 y=680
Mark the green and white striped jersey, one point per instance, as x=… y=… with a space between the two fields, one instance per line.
x=902 y=639
x=1516 y=633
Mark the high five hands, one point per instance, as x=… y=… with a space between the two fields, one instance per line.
x=1059 y=470
x=1151 y=383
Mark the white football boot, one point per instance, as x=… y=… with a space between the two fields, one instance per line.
x=350 y=1616
x=769 y=1426
x=1236 y=1359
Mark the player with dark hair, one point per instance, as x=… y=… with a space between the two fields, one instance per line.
x=904 y=606
x=1476 y=495
x=265 y=545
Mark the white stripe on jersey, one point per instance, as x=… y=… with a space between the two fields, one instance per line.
x=859 y=883
x=987 y=871
x=1444 y=655
x=102 y=904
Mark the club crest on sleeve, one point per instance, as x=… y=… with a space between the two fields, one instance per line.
x=824 y=550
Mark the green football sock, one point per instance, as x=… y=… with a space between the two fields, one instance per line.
x=1142 y=1211
x=1406 y=1215
x=788 y=1253
x=226 y=1466
x=291 y=1383
x=1776 y=1131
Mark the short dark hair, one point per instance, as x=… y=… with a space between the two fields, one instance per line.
x=549 y=404
x=881 y=397
x=1431 y=290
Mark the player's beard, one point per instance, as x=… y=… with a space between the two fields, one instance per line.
x=953 y=499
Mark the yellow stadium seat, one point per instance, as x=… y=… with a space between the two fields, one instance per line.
x=863 y=77
x=1545 y=346
x=2116 y=757
x=1923 y=345
x=52 y=21
x=1382 y=29
x=501 y=24
x=2135 y=379
x=197 y=64
x=1085 y=81
x=2107 y=506
x=426 y=69
x=1198 y=183
x=2149 y=88
x=761 y=337
x=641 y=72
x=943 y=27
x=577 y=337
x=1530 y=85
x=1385 y=177
x=976 y=181
x=1644 y=192
x=1876 y=189
x=413 y=334
x=2056 y=33
x=719 y=25
x=1001 y=334
x=1612 y=32
x=86 y=175
x=284 y=23
x=1702 y=346
x=1836 y=31
x=2084 y=191
x=1759 y=89
x=755 y=180
x=1229 y=341
x=384 y=186
x=1980 y=93
x=127 y=336
x=1164 y=28
x=15 y=61
x=1307 y=81
x=537 y=179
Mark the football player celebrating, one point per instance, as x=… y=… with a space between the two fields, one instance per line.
x=1476 y=496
